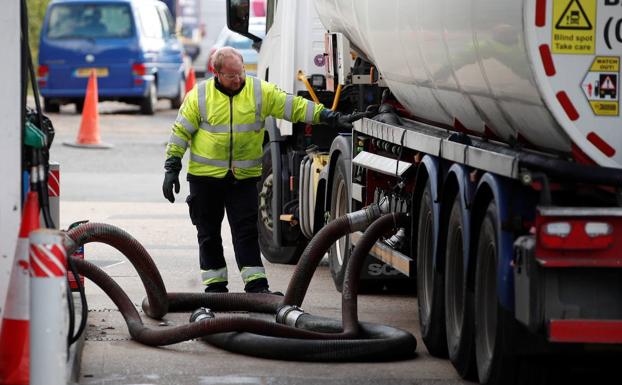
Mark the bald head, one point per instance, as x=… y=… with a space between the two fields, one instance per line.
x=229 y=68
x=225 y=54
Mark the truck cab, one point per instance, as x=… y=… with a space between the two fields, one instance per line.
x=306 y=170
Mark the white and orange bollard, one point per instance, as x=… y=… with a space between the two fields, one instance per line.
x=54 y=192
x=48 y=308
x=14 y=355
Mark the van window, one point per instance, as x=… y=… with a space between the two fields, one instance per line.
x=70 y=21
x=238 y=41
x=168 y=24
x=150 y=22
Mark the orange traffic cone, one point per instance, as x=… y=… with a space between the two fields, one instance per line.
x=190 y=80
x=88 y=136
x=14 y=338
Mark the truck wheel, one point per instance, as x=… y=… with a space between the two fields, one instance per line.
x=458 y=298
x=179 y=98
x=50 y=107
x=493 y=324
x=265 y=223
x=429 y=281
x=79 y=106
x=339 y=203
x=148 y=104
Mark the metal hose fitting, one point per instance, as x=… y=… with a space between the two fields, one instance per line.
x=288 y=315
x=201 y=314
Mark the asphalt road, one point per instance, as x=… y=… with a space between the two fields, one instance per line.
x=121 y=186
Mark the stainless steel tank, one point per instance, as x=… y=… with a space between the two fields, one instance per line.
x=545 y=72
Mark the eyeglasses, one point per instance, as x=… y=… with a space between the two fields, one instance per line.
x=240 y=75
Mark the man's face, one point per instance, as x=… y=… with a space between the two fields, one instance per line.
x=231 y=75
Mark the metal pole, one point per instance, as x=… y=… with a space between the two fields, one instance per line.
x=48 y=308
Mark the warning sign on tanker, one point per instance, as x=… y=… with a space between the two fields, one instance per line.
x=601 y=85
x=574 y=27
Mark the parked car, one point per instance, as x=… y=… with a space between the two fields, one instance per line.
x=131 y=44
x=228 y=38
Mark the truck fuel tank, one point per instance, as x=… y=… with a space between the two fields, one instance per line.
x=542 y=72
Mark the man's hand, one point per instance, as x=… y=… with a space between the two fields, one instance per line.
x=171 y=178
x=336 y=120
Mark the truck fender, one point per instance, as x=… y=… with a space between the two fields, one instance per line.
x=275 y=140
x=492 y=187
x=341 y=146
x=428 y=169
x=320 y=197
x=460 y=176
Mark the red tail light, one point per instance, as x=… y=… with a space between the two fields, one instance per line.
x=139 y=69
x=42 y=75
x=43 y=71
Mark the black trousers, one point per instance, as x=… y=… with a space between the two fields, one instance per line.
x=207 y=202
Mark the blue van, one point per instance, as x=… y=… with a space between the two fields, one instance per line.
x=130 y=43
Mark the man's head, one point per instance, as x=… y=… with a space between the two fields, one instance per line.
x=229 y=68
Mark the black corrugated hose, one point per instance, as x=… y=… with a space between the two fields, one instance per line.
x=298 y=336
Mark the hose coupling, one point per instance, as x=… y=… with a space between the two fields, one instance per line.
x=201 y=314
x=396 y=241
x=288 y=315
x=359 y=220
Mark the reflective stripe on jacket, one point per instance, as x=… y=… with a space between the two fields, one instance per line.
x=226 y=132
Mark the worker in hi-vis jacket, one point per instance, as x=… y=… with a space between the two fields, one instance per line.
x=222 y=120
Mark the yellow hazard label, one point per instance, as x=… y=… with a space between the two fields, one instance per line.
x=606 y=64
x=574 y=26
x=604 y=108
x=601 y=85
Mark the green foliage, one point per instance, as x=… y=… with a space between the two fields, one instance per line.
x=36 y=13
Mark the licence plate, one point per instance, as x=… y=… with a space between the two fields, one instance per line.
x=250 y=67
x=86 y=72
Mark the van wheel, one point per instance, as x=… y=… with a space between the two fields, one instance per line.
x=79 y=106
x=148 y=104
x=179 y=98
x=48 y=106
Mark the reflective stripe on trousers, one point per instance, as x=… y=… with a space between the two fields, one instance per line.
x=252 y=273
x=213 y=276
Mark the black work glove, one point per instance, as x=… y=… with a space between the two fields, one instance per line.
x=172 y=166
x=337 y=120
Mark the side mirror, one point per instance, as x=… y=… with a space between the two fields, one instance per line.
x=238 y=16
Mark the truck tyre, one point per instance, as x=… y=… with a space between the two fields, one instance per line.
x=79 y=106
x=494 y=326
x=48 y=106
x=430 y=284
x=339 y=203
x=458 y=298
x=148 y=103
x=265 y=223
x=179 y=98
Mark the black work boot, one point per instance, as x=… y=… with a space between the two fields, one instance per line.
x=260 y=286
x=218 y=287
x=265 y=290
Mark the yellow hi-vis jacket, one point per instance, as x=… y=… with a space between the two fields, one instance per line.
x=226 y=132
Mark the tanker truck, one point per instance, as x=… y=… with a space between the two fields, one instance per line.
x=495 y=124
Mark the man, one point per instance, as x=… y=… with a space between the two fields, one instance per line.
x=223 y=119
